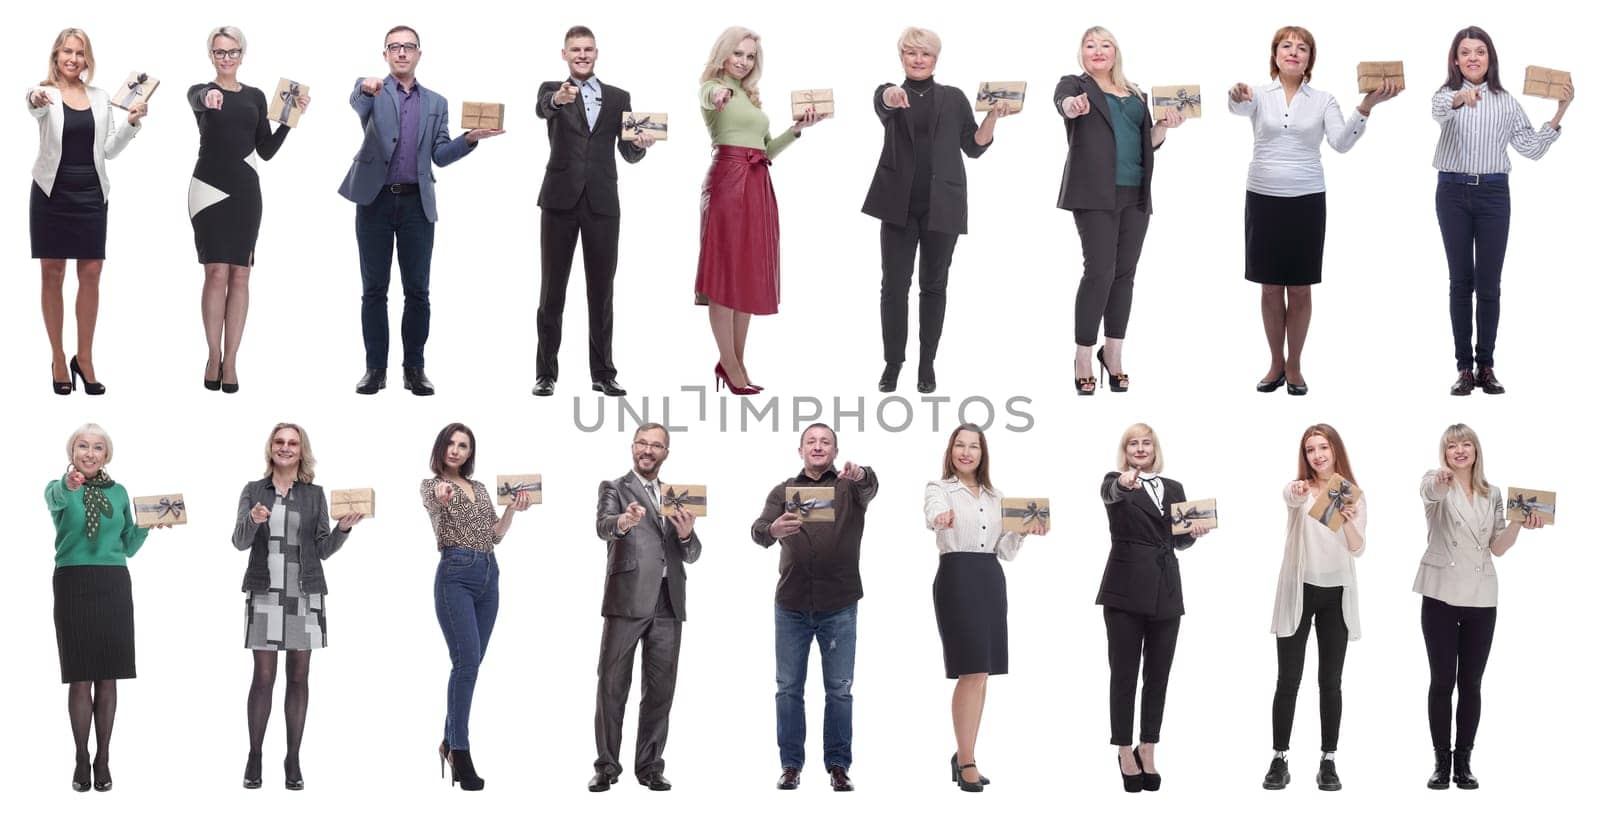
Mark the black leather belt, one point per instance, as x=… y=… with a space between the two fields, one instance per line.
x=403 y=190
x=1473 y=179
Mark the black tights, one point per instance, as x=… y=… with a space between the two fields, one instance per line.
x=94 y=702
x=1326 y=607
x=258 y=707
x=1458 y=642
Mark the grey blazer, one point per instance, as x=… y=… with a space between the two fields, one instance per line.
x=318 y=541
x=1458 y=567
x=380 y=126
x=634 y=560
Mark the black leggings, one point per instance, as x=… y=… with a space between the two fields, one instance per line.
x=1458 y=641
x=1326 y=606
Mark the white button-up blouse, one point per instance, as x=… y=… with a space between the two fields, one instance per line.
x=1287 y=160
x=977 y=524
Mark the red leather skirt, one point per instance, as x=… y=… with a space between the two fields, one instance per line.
x=738 y=233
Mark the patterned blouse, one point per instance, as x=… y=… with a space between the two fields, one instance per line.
x=463 y=522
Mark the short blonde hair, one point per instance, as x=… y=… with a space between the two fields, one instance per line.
x=1462 y=432
x=52 y=76
x=308 y=461
x=1140 y=430
x=89 y=429
x=919 y=37
x=723 y=48
x=231 y=32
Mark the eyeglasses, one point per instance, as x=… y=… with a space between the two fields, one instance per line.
x=396 y=48
x=649 y=444
x=226 y=53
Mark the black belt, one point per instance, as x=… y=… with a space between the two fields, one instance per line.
x=404 y=190
x=1474 y=179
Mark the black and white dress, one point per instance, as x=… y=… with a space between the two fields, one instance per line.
x=225 y=193
x=283 y=617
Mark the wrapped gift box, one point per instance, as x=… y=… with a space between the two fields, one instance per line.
x=819 y=98
x=1011 y=94
x=1018 y=514
x=138 y=87
x=352 y=501
x=634 y=122
x=675 y=496
x=1185 y=99
x=1370 y=75
x=159 y=509
x=1331 y=499
x=1546 y=82
x=812 y=504
x=1185 y=515
x=506 y=487
x=475 y=115
x=1523 y=503
x=282 y=107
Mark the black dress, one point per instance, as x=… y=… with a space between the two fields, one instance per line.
x=225 y=193
x=70 y=222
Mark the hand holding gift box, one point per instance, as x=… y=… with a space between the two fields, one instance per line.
x=818 y=99
x=636 y=123
x=159 y=511
x=1185 y=99
x=1025 y=515
x=1003 y=95
x=1194 y=517
x=508 y=486
x=288 y=102
x=1547 y=83
x=481 y=116
x=812 y=504
x=1524 y=503
x=1333 y=497
x=677 y=497
x=345 y=502
x=137 y=89
x=1370 y=76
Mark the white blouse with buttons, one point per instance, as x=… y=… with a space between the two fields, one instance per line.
x=1287 y=160
x=977 y=520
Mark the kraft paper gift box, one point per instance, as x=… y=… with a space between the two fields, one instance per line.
x=475 y=115
x=282 y=107
x=634 y=122
x=352 y=501
x=1546 y=82
x=1185 y=515
x=1370 y=75
x=1018 y=514
x=159 y=509
x=138 y=87
x=506 y=487
x=1009 y=94
x=812 y=504
x=1184 y=98
x=1331 y=498
x=1522 y=503
x=819 y=98
x=675 y=497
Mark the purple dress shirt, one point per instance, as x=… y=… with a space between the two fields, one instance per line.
x=403 y=165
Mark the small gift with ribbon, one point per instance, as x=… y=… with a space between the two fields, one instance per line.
x=681 y=497
x=159 y=509
x=635 y=122
x=506 y=487
x=352 y=501
x=1546 y=82
x=1185 y=515
x=996 y=94
x=1331 y=499
x=812 y=504
x=138 y=87
x=475 y=115
x=1185 y=99
x=1370 y=76
x=818 y=98
x=1524 y=503
x=1018 y=514
x=284 y=107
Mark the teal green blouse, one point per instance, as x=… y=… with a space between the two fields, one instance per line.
x=117 y=539
x=740 y=123
x=1127 y=115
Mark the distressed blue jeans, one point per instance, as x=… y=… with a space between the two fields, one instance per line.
x=835 y=633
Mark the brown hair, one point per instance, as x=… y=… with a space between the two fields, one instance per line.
x=666 y=436
x=52 y=75
x=1341 y=460
x=1303 y=36
x=403 y=28
x=578 y=31
x=442 y=442
x=1453 y=79
x=308 y=463
x=983 y=461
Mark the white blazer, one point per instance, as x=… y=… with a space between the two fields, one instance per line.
x=1458 y=567
x=111 y=135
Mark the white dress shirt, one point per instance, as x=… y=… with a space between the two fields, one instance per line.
x=589 y=89
x=1287 y=160
x=1153 y=486
x=977 y=520
x=1473 y=139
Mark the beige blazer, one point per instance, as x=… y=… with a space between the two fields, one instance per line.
x=111 y=135
x=1458 y=567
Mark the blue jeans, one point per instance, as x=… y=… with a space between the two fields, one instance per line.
x=466 y=597
x=394 y=222
x=835 y=632
x=1474 y=221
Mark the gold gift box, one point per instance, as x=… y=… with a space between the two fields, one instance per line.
x=506 y=487
x=138 y=87
x=1522 y=503
x=633 y=122
x=1009 y=94
x=352 y=501
x=1185 y=99
x=159 y=509
x=819 y=98
x=812 y=504
x=1185 y=515
x=282 y=108
x=1325 y=510
x=1018 y=514
x=475 y=115
x=683 y=496
x=1546 y=82
x=1370 y=75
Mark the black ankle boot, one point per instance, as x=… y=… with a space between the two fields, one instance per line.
x=1464 y=778
x=465 y=773
x=1440 y=780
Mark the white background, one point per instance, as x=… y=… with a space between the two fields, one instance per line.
x=1379 y=364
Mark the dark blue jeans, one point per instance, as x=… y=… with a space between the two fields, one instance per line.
x=394 y=222
x=466 y=597
x=835 y=632
x=1474 y=221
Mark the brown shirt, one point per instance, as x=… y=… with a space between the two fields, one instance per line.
x=820 y=568
x=463 y=522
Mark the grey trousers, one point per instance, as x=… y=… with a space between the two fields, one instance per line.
x=661 y=636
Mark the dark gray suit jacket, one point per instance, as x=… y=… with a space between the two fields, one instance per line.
x=318 y=540
x=634 y=560
x=954 y=133
x=580 y=158
x=1089 y=181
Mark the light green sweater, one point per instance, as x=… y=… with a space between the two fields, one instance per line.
x=740 y=123
x=117 y=539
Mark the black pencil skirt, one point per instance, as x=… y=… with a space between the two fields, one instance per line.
x=1283 y=238
x=71 y=221
x=94 y=622
x=969 y=603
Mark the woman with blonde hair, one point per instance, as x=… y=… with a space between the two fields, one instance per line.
x=738 y=271
x=79 y=129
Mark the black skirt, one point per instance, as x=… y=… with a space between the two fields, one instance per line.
x=71 y=221
x=969 y=603
x=1283 y=238
x=94 y=622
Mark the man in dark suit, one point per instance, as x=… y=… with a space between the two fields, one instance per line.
x=579 y=198
x=644 y=603
x=406 y=131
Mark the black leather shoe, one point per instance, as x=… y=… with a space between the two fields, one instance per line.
x=926 y=387
x=1440 y=780
x=369 y=384
x=1298 y=389
x=955 y=772
x=102 y=783
x=252 y=771
x=790 y=779
x=609 y=387
x=1272 y=385
x=213 y=384
x=80 y=776
x=1147 y=780
x=840 y=779
x=1328 y=777
x=601 y=782
x=1131 y=782
x=415 y=381
x=1463 y=778
x=1464 y=384
x=544 y=387
x=292 y=779
x=1488 y=382
x=656 y=782
x=1278 y=771
x=890 y=379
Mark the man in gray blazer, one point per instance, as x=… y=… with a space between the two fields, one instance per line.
x=644 y=603
x=406 y=132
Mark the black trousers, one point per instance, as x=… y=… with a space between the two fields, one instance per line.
x=1128 y=635
x=900 y=246
x=559 y=232
x=1111 y=241
x=1458 y=641
x=1326 y=607
x=661 y=636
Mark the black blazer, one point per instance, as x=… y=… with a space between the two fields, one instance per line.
x=581 y=159
x=954 y=133
x=1089 y=181
x=1142 y=569
x=634 y=560
x=318 y=541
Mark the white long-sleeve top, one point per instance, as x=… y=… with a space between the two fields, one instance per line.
x=1304 y=535
x=977 y=524
x=1287 y=160
x=1473 y=139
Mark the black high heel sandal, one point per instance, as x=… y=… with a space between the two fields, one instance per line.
x=1118 y=381
x=80 y=774
x=1131 y=782
x=252 y=771
x=1148 y=780
x=462 y=771
x=65 y=387
x=293 y=779
x=955 y=772
x=213 y=384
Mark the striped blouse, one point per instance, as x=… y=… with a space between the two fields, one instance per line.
x=1474 y=139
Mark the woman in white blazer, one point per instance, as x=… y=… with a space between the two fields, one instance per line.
x=1316 y=587
x=1466 y=530
x=78 y=131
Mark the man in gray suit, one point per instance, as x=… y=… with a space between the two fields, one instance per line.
x=406 y=132
x=644 y=603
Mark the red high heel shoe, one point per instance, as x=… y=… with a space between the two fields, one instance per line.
x=723 y=380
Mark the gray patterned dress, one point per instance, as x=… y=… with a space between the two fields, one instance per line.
x=283 y=617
